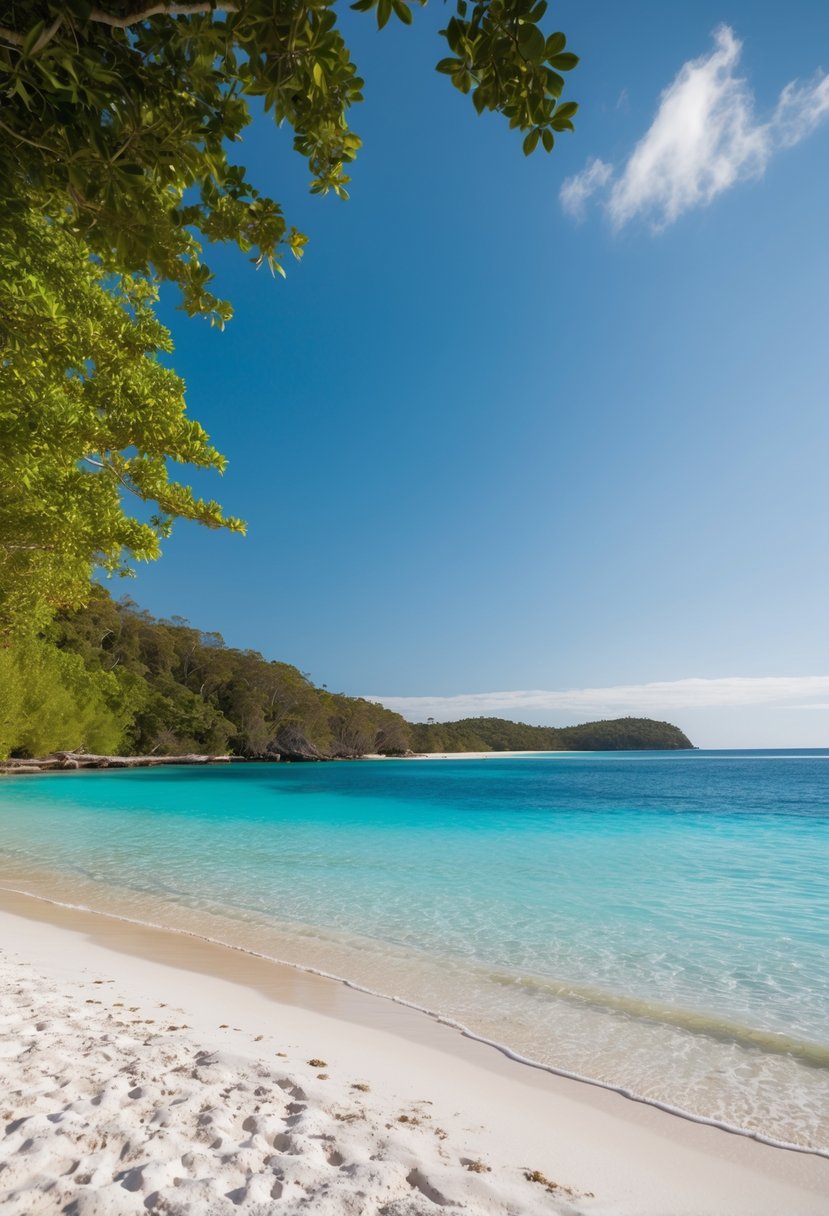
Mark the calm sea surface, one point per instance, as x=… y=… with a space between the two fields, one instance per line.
x=658 y=921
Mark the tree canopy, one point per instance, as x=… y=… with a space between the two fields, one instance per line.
x=122 y=116
x=88 y=414
x=118 y=129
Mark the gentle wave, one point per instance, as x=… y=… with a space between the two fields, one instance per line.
x=815 y=1055
x=444 y=1020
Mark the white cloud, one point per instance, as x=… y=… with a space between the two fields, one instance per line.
x=620 y=699
x=704 y=139
x=800 y=110
x=577 y=190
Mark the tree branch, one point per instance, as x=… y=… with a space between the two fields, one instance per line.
x=47 y=35
x=124 y=23
x=28 y=548
x=30 y=142
x=158 y=10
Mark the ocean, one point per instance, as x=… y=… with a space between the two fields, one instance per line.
x=656 y=922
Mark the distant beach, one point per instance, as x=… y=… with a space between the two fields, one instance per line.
x=491 y=755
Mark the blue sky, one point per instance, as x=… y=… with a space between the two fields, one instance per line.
x=492 y=437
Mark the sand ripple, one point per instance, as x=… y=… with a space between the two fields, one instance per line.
x=108 y=1109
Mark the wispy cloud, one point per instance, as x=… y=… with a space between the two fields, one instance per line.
x=619 y=699
x=704 y=139
x=577 y=190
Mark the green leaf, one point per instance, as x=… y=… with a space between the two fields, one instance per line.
x=564 y=62
x=22 y=92
x=555 y=44
x=383 y=12
x=555 y=83
x=531 y=141
x=448 y=66
x=531 y=41
x=567 y=109
x=31 y=38
x=402 y=11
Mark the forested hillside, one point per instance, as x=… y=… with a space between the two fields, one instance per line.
x=499 y=735
x=110 y=678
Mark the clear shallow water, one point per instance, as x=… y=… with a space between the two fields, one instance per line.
x=659 y=921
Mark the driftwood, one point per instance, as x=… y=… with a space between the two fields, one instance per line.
x=77 y=760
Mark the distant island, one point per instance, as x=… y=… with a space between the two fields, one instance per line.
x=501 y=735
x=112 y=680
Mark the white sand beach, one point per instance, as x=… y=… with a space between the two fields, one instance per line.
x=144 y=1070
x=491 y=755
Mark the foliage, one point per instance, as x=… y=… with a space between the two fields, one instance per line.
x=51 y=700
x=497 y=734
x=176 y=689
x=112 y=678
x=124 y=113
x=624 y=734
x=88 y=414
x=117 y=129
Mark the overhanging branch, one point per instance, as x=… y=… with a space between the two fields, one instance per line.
x=157 y=10
x=122 y=23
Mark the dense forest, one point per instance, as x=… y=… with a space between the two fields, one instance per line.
x=499 y=735
x=110 y=678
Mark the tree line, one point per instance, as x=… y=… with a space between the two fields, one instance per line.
x=500 y=735
x=111 y=678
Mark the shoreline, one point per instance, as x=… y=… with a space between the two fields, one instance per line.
x=491 y=755
x=562 y=1108
x=317 y=972
x=73 y=762
x=47 y=765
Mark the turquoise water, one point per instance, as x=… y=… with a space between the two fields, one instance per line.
x=659 y=921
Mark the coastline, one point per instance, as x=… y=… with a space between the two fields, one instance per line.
x=634 y=1158
x=49 y=765
x=491 y=755
x=69 y=762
